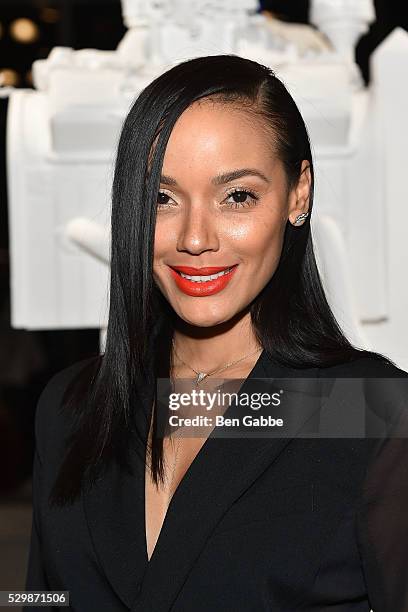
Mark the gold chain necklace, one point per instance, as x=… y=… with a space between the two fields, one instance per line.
x=201 y=375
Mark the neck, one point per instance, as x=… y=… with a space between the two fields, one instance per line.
x=207 y=349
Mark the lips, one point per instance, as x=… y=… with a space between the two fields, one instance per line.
x=201 y=288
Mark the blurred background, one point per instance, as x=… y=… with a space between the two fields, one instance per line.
x=69 y=70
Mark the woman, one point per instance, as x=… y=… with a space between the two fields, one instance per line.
x=214 y=176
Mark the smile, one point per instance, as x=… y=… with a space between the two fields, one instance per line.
x=213 y=281
x=203 y=279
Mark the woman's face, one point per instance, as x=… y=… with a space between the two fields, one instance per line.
x=223 y=203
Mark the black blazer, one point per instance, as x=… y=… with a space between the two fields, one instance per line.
x=256 y=525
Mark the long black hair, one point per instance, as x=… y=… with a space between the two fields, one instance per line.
x=291 y=316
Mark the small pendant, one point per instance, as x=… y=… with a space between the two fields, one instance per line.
x=200 y=377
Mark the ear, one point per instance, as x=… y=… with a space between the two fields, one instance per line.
x=299 y=197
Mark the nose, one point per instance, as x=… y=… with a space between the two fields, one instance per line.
x=198 y=230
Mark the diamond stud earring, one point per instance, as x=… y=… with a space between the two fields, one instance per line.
x=300 y=218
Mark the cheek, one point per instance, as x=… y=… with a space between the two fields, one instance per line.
x=259 y=239
x=263 y=251
x=162 y=243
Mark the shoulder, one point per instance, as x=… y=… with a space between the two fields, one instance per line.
x=51 y=426
x=383 y=390
x=365 y=365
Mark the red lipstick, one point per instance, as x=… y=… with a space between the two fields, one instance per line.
x=202 y=288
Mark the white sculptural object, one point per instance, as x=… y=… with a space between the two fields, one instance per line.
x=343 y=21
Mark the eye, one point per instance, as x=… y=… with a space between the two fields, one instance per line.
x=241 y=198
x=162 y=200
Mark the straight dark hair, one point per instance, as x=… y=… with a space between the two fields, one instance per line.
x=110 y=400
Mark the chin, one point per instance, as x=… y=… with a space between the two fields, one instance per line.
x=205 y=320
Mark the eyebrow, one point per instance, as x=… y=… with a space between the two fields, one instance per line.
x=221 y=179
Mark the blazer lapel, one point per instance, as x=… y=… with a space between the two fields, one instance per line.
x=114 y=510
x=222 y=470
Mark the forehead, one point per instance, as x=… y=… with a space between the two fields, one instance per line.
x=215 y=134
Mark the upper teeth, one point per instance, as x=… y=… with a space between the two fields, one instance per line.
x=200 y=279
